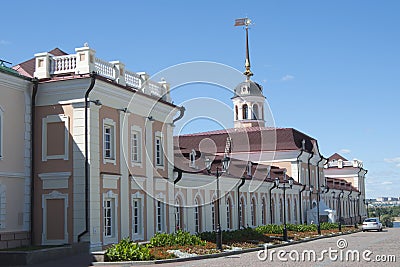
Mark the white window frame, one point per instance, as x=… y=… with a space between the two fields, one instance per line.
x=114 y=213
x=3 y=203
x=54 y=119
x=159 y=159
x=253 y=204
x=228 y=213
x=138 y=131
x=160 y=214
x=263 y=211
x=192 y=159
x=140 y=234
x=113 y=142
x=54 y=195
x=1 y=132
x=197 y=215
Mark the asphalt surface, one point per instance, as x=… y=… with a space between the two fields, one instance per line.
x=370 y=246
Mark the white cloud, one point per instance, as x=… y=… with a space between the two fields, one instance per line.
x=393 y=160
x=4 y=42
x=287 y=77
x=345 y=151
x=387 y=182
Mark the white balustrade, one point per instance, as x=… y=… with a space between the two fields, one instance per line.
x=155 y=89
x=63 y=64
x=133 y=79
x=105 y=68
x=82 y=63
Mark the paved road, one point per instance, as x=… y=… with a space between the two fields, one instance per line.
x=380 y=244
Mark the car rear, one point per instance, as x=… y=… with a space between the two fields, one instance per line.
x=371 y=224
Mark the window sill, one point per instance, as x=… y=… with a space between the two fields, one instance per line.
x=109 y=160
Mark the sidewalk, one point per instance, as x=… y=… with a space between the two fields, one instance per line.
x=80 y=260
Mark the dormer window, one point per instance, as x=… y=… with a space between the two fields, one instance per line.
x=192 y=157
x=245 y=89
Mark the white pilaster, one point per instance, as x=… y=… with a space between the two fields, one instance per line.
x=124 y=184
x=150 y=180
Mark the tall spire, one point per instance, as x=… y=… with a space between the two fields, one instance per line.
x=246 y=22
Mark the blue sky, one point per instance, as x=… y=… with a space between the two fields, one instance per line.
x=329 y=68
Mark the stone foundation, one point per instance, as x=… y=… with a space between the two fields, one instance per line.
x=14 y=239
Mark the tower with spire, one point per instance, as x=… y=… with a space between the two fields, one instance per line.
x=248 y=101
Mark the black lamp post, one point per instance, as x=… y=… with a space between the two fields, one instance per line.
x=287 y=184
x=225 y=165
x=321 y=190
x=339 y=207
x=366 y=203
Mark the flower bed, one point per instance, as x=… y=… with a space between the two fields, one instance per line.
x=183 y=244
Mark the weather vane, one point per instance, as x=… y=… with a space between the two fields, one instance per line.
x=246 y=22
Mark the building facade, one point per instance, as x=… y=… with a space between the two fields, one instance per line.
x=15 y=165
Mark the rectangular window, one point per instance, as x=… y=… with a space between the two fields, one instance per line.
x=197 y=219
x=108 y=142
x=135 y=146
x=137 y=220
x=228 y=215
x=159 y=151
x=108 y=218
x=160 y=216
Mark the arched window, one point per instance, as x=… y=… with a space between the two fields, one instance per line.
x=263 y=213
x=193 y=159
x=253 y=211
x=242 y=212
x=178 y=214
x=197 y=215
x=281 y=210
x=245 y=111
x=213 y=217
x=255 y=112
x=228 y=213
x=236 y=113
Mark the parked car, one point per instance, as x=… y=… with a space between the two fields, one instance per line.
x=372 y=224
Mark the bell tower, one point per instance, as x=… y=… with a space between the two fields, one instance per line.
x=248 y=101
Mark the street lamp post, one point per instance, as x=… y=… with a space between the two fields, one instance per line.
x=339 y=207
x=284 y=186
x=225 y=165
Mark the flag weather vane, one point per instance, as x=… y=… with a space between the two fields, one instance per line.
x=246 y=22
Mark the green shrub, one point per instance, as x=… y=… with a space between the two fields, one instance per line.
x=328 y=226
x=270 y=229
x=180 y=238
x=241 y=235
x=127 y=250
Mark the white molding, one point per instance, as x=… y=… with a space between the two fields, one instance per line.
x=140 y=235
x=110 y=181
x=55 y=180
x=13 y=175
x=45 y=197
x=110 y=122
x=138 y=129
x=113 y=239
x=52 y=119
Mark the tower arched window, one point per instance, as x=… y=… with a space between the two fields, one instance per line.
x=245 y=111
x=255 y=112
x=236 y=113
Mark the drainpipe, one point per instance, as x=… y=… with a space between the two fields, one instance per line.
x=87 y=171
x=270 y=201
x=298 y=179
x=301 y=211
x=318 y=193
x=243 y=180
x=181 y=113
x=309 y=177
x=33 y=105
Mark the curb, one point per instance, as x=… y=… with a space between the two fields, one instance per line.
x=217 y=255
